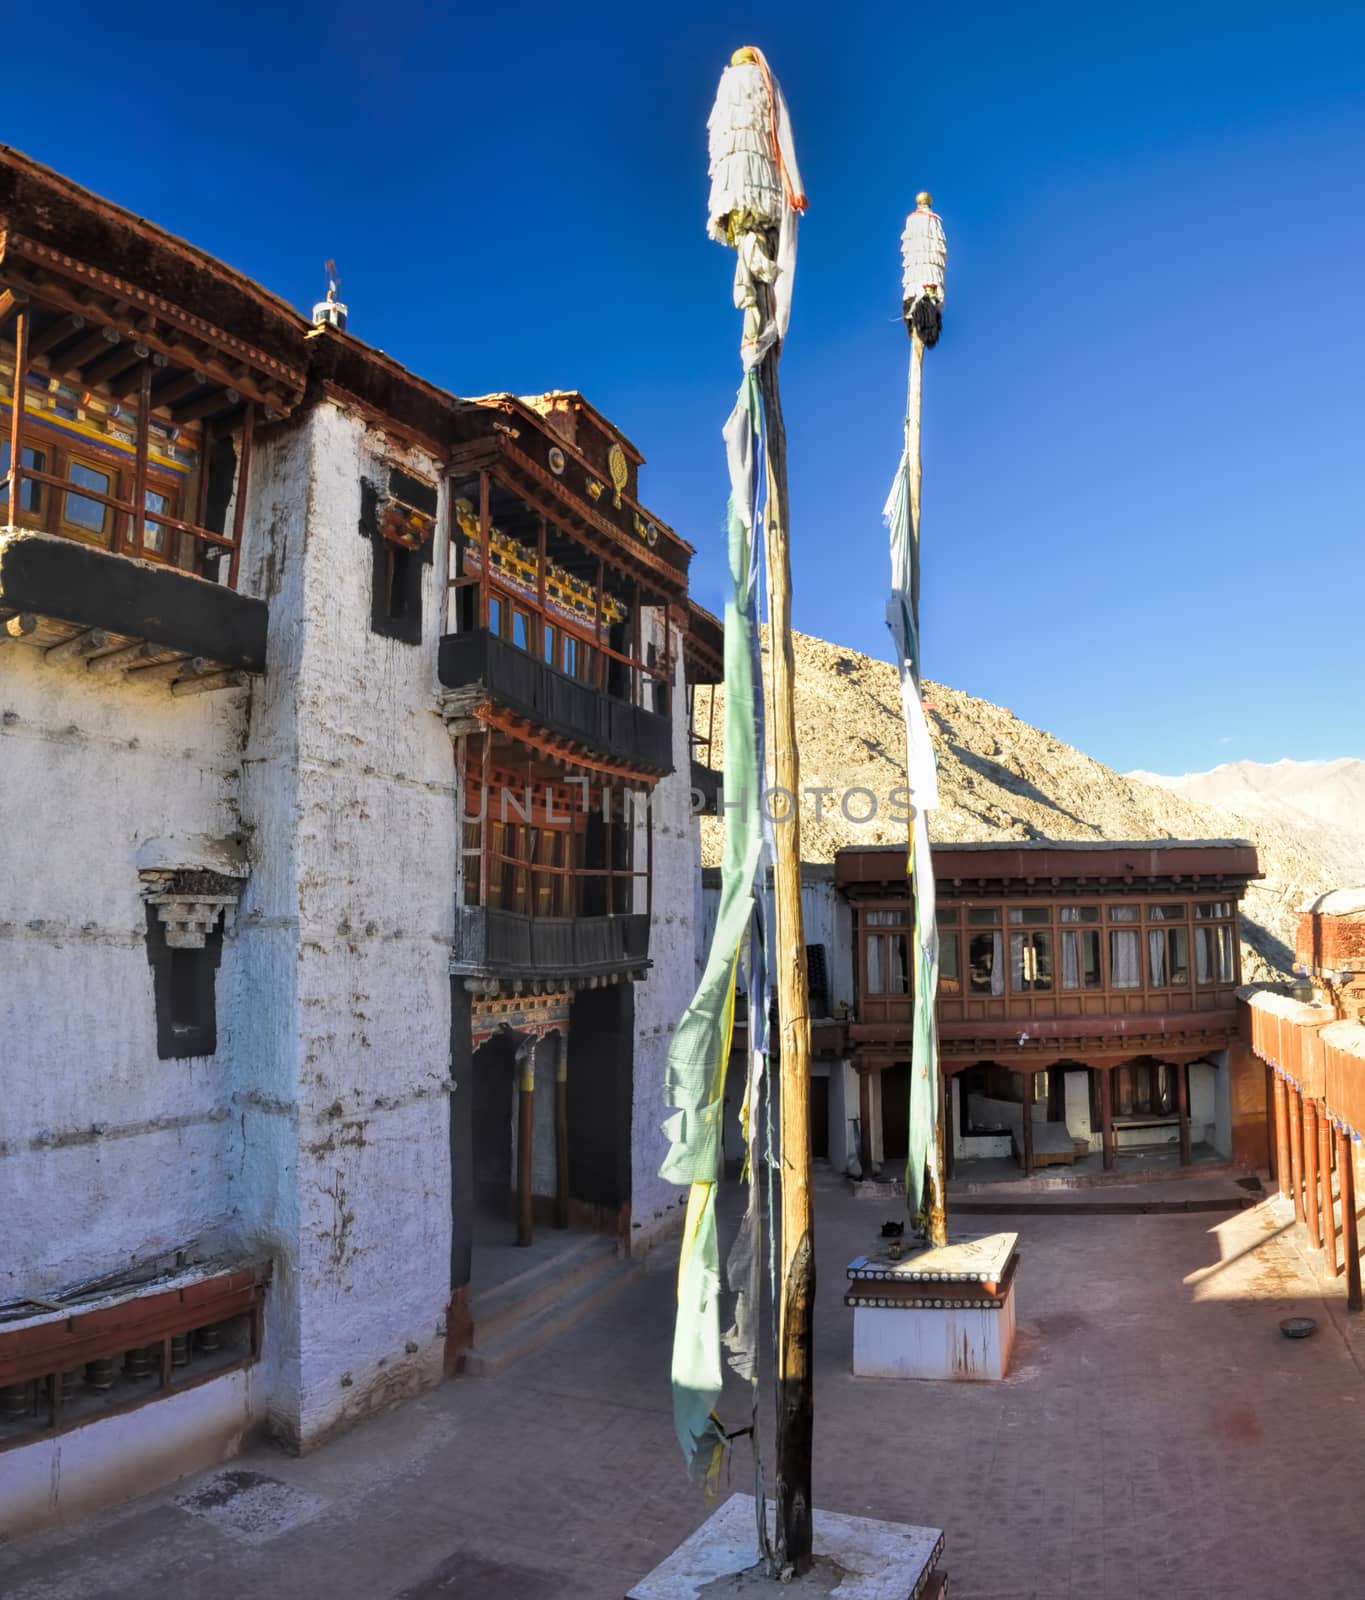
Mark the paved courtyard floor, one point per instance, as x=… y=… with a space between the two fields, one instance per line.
x=1157 y=1436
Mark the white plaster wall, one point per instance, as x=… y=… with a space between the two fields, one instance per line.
x=828 y=920
x=1077 y=1090
x=668 y=989
x=343 y=1141
x=108 y=1155
x=1207 y=1084
x=109 y=1459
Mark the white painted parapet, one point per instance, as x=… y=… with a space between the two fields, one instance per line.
x=945 y=1313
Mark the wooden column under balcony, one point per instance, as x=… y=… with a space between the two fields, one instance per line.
x=1107 y=1115
x=1182 y=1098
x=1329 y=1221
x=526 y=1105
x=561 y=1132
x=1350 y=1238
x=1312 y=1199
x=1296 y=1150
x=1028 y=1124
x=1280 y=1111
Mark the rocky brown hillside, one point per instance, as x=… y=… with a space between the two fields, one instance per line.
x=1001 y=778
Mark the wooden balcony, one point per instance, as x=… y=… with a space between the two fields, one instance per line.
x=575 y=712
x=509 y=945
x=127 y=616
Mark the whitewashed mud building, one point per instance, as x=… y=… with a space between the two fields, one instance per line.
x=338 y=951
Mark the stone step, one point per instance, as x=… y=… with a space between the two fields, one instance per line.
x=494 y=1353
x=582 y=1260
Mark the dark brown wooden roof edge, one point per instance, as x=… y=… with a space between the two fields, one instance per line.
x=56 y=211
x=580 y=402
x=705 y=647
x=482 y=405
x=1043 y=859
x=385 y=388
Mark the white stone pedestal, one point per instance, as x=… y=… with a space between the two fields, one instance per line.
x=945 y=1313
x=856 y=1558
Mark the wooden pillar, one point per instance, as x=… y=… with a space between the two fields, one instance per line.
x=1350 y=1239
x=485 y=541
x=1312 y=1200
x=1182 y=1100
x=1107 y=1115
x=140 y=452
x=542 y=561
x=16 y=415
x=865 y=1121
x=526 y=1105
x=561 y=1132
x=1028 y=1124
x=243 y=478
x=1296 y=1149
x=1280 y=1112
x=1329 y=1221
x=795 y=1313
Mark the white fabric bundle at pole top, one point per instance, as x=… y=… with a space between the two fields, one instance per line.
x=924 y=256
x=756 y=193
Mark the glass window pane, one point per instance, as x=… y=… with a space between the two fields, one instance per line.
x=949 y=979
x=1156 y=958
x=1081 y=959
x=521 y=630
x=983 y=916
x=1213 y=908
x=1030 y=962
x=1178 y=955
x=876 y=983
x=30 y=494
x=986 y=956
x=1125 y=960
x=570 y=661
x=899 y=976
x=1123 y=913
x=550 y=644
x=1030 y=916
x=79 y=509
x=494 y=614
x=948 y=916
x=1167 y=913
x=1080 y=914
x=153 y=533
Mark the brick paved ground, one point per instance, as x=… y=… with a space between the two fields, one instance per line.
x=1156 y=1437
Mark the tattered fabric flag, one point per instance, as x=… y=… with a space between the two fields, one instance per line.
x=755 y=197
x=695 y=1079
x=922 y=780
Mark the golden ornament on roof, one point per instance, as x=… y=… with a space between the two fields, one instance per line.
x=620 y=472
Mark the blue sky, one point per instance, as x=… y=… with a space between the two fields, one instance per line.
x=1144 y=422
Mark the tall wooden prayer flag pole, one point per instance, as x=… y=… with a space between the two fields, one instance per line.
x=924 y=256
x=756 y=195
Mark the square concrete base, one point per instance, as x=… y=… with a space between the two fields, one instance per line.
x=856 y=1558
x=946 y=1313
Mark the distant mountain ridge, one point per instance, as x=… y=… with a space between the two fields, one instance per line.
x=1001 y=778
x=1322 y=801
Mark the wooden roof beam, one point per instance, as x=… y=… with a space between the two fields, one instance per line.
x=57 y=330
x=94 y=344
x=126 y=381
x=207 y=405
x=122 y=356
x=12 y=300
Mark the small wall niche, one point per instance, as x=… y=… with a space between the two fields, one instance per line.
x=188 y=911
x=399 y=520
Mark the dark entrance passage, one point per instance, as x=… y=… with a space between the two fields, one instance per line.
x=492 y=1112
x=896 y=1112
